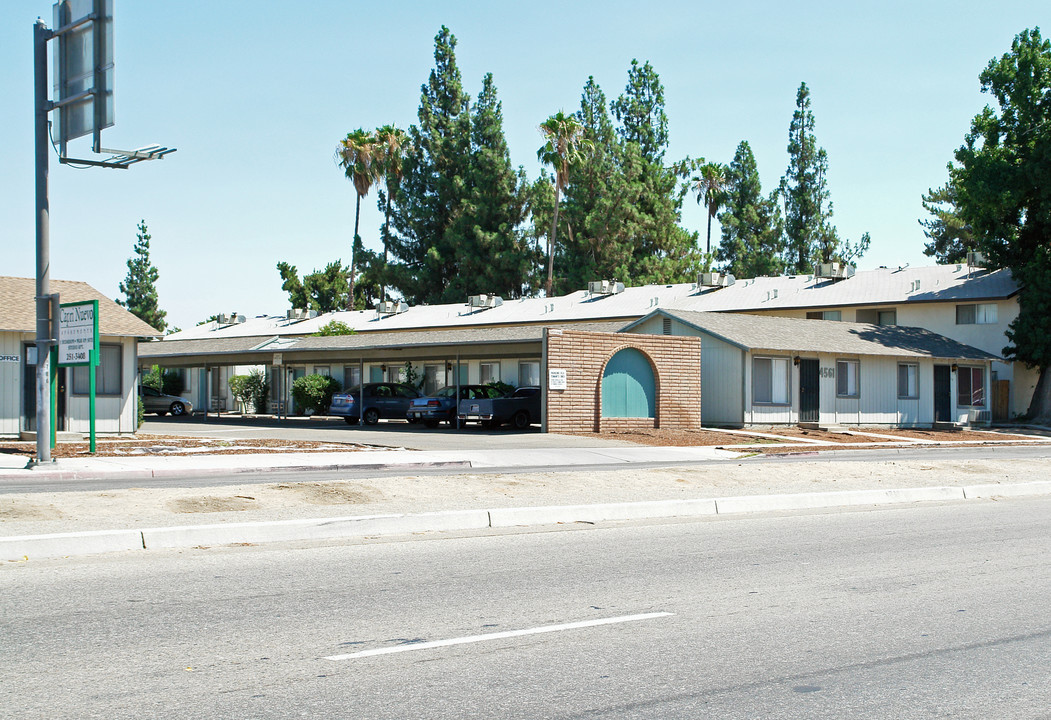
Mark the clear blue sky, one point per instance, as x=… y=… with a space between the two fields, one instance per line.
x=255 y=96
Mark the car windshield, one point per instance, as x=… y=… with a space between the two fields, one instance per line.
x=446 y=392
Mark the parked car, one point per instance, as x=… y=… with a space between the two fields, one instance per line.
x=381 y=400
x=154 y=401
x=521 y=408
x=442 y=405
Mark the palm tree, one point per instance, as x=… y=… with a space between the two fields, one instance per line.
x=356 y=154
x=564 y=137
x=710 y=185
x=392 y=144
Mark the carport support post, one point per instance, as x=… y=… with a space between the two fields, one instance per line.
x=458 y=391
x=361 y=391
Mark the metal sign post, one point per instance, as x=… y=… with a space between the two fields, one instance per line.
x=84 y=106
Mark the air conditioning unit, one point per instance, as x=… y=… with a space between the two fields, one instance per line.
x=300 y=314
x=975 y=259
x=715 y=279
x=390 y=307
x=231 y=319
x=834 y=270
x=979 y=417
x=485 y=301
x=605 y=287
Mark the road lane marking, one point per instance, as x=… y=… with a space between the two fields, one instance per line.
x=499 y=635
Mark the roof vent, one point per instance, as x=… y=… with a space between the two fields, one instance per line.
x=715 y=279
x=605 y=287
x=390 y=307
x=485 y=301
x=835 y=271
x=231 y=319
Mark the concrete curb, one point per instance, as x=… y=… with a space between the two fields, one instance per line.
x=94 y=542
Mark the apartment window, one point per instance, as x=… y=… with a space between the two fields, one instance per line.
x=107 y=374
x=431 y=376
x=351 y=376
x=979 y=314
x=490 y=372
x=908 y=381
x=887 y=317
x=770 y=381
x=825 y=315
x=970 y=386
x=322 y=370
x=847 y=378
x=528 y=374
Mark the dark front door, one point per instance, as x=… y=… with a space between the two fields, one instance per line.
x=29 y=389
x=942 y=394
x=61 y=375
x=809 y=391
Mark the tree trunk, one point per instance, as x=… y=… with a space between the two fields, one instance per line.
x=709 y=233
x=386 y=238
x=1040 y=405
x=354 y=242
x=551 y=244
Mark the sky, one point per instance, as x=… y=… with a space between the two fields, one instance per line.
x=256 y=96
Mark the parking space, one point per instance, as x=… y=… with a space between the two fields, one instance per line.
x=387 y=433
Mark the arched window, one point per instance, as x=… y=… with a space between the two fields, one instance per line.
x=628 y=387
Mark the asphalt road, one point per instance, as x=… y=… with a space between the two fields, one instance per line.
x=929 y=611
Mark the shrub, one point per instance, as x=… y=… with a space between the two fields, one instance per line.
x=240 y=390
x=152 y=379
x=172 y=382
x=313 y=393
x=500 y=385
x=259 y=390
x=140 y=414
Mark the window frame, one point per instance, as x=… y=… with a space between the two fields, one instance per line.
x=481 y=372
x=845 y=377
x=970 y=370
x=81 y=385
x=773 y=360
x=915 y=381
x=979 y=314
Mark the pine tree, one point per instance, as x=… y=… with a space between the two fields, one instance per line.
x=432 y=196
x=496 y=256
x=751 y=243
x=140 y=284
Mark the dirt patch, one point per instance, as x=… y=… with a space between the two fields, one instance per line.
x=330 y=493
x=21 y=510
x=210 y=504
x=160 y=445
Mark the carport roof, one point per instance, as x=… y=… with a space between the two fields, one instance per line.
x=171 y=349
x=791 y=335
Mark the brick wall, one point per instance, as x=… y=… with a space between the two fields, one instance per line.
x=676 y=362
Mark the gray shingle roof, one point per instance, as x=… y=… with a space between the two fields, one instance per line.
x=18 y=307
x=762 y=332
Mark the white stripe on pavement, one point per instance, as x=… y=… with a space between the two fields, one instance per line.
x=499 y=636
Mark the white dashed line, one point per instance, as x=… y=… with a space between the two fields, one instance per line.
x=499 y=636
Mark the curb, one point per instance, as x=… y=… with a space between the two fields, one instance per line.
x=19 y=548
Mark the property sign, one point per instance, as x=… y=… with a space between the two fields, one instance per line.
x=556 y=379
x=78 y=333
x=278 y=360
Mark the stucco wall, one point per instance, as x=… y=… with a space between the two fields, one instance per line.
x=676 y=363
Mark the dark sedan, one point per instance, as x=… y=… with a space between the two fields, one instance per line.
x=442 y=405
x=381 y=400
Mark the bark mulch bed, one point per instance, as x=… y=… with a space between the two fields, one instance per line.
x=156 y=445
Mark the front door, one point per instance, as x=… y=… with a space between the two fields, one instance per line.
x=809 y=391
x=61 y=376
x=942 y=394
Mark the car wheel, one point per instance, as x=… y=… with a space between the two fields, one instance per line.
x=350 y=420
x=372 y=416
x=521 y=420
x=413 y=420
x=178 y=409
x=431 y=423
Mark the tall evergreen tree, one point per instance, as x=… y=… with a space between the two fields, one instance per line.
x=663 y=251
x=322 y=290
x=431 y=199
x=950 y=236
x=752 y=243
x=496 y=257
x=810 y=235
x=140 y=284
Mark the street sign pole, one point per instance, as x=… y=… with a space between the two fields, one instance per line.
x=41 y=34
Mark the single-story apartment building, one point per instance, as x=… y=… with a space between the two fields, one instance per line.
x=767 y=370
x=116 y=375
